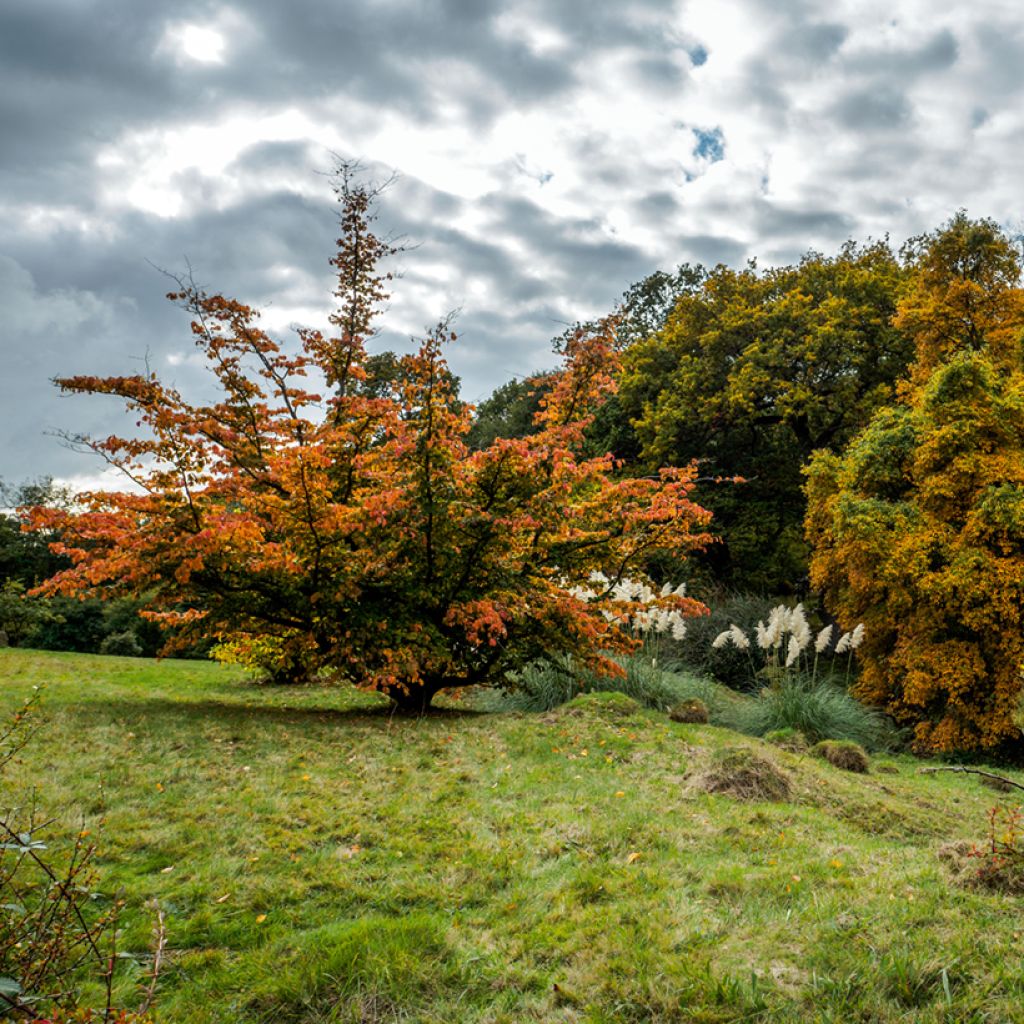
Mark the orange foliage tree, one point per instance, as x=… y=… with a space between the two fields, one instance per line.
x=918 y=529
x=353 y=534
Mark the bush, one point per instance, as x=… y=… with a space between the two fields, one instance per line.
x=125 y=644
x=819 y=709
x=726 y=664
x=918 y=528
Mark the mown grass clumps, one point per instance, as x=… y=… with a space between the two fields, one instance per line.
x=788 y=739
x=850 y=757
x=692 y=711
x=740 y=773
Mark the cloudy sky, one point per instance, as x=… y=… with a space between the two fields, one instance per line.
x=548 y=153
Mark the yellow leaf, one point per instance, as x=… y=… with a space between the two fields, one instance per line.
x=633 y=857
x=260 y=918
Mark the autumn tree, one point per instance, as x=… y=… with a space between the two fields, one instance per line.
x=317 y=526
x=753 y=371
x=918 y=527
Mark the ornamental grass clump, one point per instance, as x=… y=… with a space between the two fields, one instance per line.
x=787 y=647
x=726 y=664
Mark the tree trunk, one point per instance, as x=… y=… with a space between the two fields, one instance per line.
x=415 y=701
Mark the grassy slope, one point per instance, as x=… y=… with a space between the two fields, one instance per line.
x=503 y=867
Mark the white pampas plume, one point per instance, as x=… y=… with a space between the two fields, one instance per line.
x=666 y=590
x=823 y=640
x=844 y=644
x=799 y=626
x=681 y=590
x=857 y=636
x=739 y=638
x=721 y=640
x=778 y=619
x=794 y=651
x=763 y=639
x=678 y=627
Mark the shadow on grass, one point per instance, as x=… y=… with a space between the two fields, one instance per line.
x=165 y=710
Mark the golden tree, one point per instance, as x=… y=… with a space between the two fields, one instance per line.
x=918 y=528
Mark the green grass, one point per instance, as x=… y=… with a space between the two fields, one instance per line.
x=503 y=867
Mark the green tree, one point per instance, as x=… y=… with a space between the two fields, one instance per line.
x=755 y=370
x=918 y=528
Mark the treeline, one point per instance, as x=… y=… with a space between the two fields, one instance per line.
x=872 y=405
x=89 y=626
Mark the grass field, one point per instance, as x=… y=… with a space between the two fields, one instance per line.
x=320 y=860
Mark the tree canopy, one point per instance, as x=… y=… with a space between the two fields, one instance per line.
x=317 y=525
x=751 y=373
x=918 y=528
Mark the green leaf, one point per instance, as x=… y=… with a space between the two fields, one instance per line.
x=9 y=988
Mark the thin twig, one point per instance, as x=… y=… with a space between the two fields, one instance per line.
x=971 y=771
x=159 y=946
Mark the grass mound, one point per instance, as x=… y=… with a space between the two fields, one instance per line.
x=971 y=868
x=788 y=739
x=851 y=757
x=692 y=711
x=740 y=773
x=611 y=704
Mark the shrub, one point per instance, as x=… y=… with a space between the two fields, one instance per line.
x=125 y=644
x=918 y=529
x=851 y=757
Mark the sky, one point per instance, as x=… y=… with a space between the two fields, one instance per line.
x=547 y=155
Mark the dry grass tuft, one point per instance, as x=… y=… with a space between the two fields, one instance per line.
x=851 y=757
x=738 y=772
x=691 y=712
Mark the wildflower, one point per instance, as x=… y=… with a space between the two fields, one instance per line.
x=823 y=640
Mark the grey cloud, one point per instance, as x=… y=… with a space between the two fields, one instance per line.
x=712 y=249
x=873 y=110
